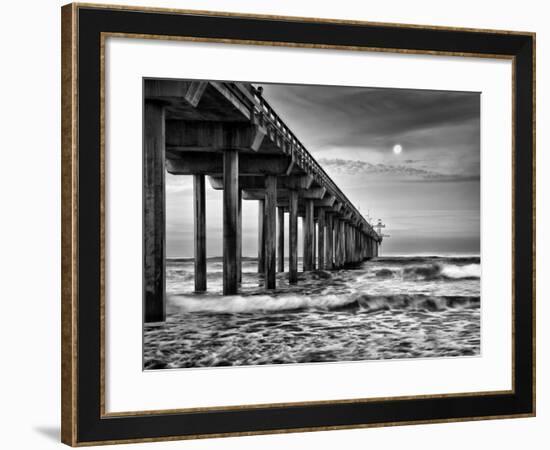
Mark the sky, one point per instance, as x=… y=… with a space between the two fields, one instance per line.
x=408 y=157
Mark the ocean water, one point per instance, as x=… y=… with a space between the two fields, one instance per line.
x=384 y=308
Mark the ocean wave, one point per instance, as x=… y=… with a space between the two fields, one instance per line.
x=385 y=273
x=467 y=271
x=434 y=272
x=404 y=260
x=234 y=304
x=291 y=303
x=373 y=303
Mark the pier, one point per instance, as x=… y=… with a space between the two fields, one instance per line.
x=228 y=133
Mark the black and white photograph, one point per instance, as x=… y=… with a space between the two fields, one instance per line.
x=290 y=224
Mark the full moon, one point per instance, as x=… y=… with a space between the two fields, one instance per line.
x=397 y=149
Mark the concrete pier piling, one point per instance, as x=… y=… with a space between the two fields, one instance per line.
x=154 y=215
x=329 y=249
x=293 y=237
x=261 y=236
x=309 y=236
x=230 y=221
x=270 y=228
x=200 y=232
x=280 y=239
x=321 y=239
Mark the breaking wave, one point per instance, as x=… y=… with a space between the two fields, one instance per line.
x=442 y=272
x=418 y=302
x=288 y=303
x=236 y=304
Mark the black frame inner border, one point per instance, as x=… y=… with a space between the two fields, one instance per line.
x=90 y=426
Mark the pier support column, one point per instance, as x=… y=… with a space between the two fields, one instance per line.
x=329 y=243
x=346 y=243
x=230 y=221
x=314 y=246
x=337 y=242
x=199 y=204
x=293 y=237
x=342 y=243
x=353 y=245
x=349 y=248
x=281 y=240
x=154 y=214
x=308 y=236
x=240 y=236
x=359 y=246
x=270 y=230
x=321 y=239
x=369 y=247
x=261 y=237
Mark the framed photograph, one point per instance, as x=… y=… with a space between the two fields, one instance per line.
x=280 y=224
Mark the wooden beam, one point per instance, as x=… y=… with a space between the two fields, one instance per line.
x=326 y=201
x=191 y=163
x=282 y=200
x=165 y=89
x=154 y=214
x=314 y=193
x=321 y=239
x=290 y=166
x=194 y=92
x=223 y=89
x=210 y=136
x=230 y=221
x=270 y=230
x=335 y=207
x=281 y=240
x=199 y=204
x=293 y=238
x=254 y=183
x=261 y=236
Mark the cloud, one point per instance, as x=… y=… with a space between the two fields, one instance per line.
x=440 y=127
x=355 y=167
